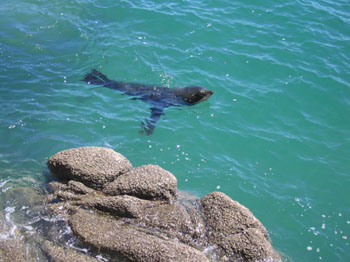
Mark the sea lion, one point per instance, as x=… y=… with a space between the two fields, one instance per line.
x=159 y=97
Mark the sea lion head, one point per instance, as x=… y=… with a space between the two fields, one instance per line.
x=195 y=94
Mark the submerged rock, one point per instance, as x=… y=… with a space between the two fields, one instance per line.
x=93 y=166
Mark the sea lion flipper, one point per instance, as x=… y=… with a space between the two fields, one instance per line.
x=96 y=77
x=149 y=124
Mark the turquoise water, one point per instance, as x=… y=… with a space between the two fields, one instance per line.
x=275 y=136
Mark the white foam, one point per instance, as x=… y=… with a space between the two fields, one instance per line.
x=9 y=228
x=2 y=183
x=101 y=258
x=9 y=211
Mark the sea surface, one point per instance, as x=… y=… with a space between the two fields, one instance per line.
x=275 y=135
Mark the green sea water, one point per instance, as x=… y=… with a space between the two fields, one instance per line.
x=275 y=135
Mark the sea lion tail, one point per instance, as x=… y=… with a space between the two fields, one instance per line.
x=95 y=77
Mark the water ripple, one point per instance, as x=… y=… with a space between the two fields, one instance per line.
x=274 y=135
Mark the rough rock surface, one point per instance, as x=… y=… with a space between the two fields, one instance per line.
x=12 y=251
x=123 y=206
x=131 y=242
x=93 y=166
x=56 y=253
x=138 y=214
x=234 y=229
x=176 y=221
x=147 y=182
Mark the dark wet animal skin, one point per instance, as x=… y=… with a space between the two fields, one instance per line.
x=157 y=96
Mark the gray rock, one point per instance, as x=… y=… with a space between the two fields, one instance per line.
x=234 y=229
x=56 y=253
x=127 y=241
x=176 y=221
x=72 y=191
x=93 y=166
x=56 y=186
x=12 y=250
x=68 y=196
x=147 y=182
x=79 y=188
x=144 y=218
x=123 y=206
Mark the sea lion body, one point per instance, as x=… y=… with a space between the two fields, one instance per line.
x=159 y=97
